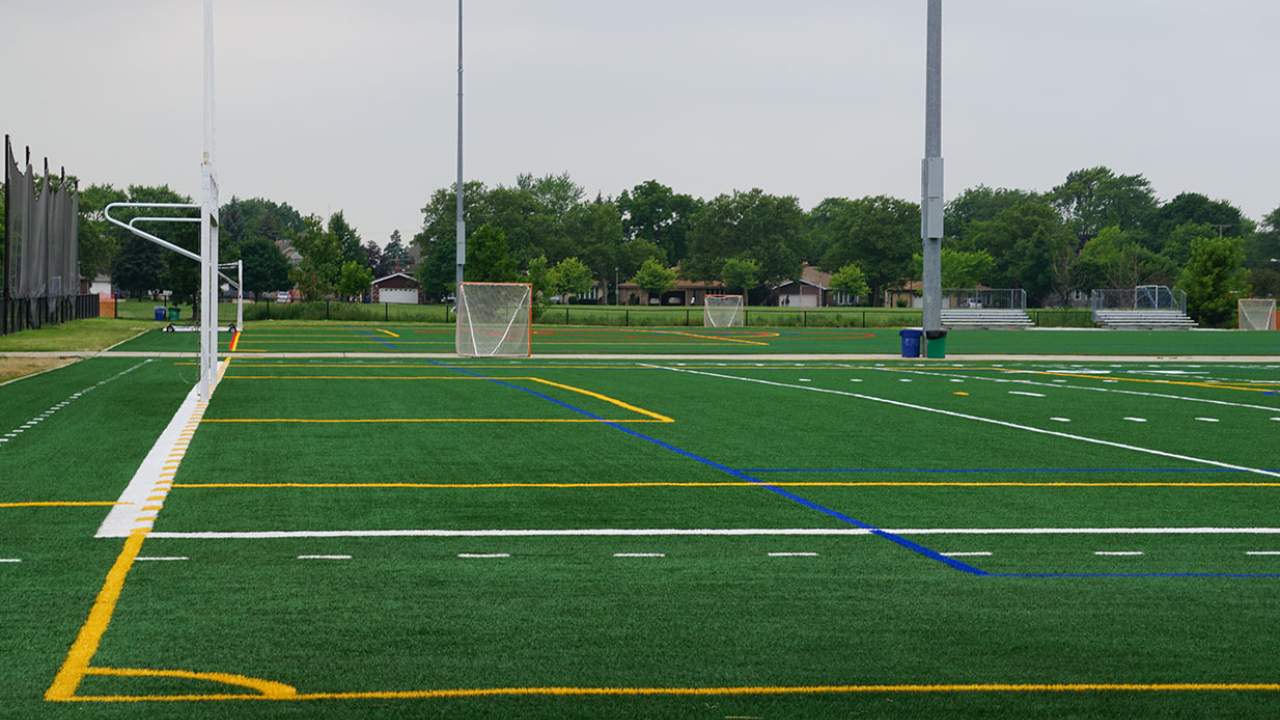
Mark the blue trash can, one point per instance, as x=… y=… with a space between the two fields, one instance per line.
x=160 y=313
x=911 y=342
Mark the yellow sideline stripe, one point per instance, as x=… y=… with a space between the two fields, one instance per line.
x=388 y=332
x=61 y=503
x=76 y=664
x=1185 y=383
x=727 y=484
x=605 y=398
x=689 y=334
x=710 y=691
x=416 y=421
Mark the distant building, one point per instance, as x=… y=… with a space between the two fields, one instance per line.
x=685 y=292
x=396 y=288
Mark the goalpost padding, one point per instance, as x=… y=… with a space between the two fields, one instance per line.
x=723 y=311
x=494 y=320
x=1256 y=314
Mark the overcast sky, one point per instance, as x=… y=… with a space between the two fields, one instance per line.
x=330 y=104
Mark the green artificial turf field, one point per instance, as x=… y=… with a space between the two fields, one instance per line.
x=340 y=337
x=634 y=538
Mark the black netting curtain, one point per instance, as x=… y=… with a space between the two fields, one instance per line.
x=42 y=234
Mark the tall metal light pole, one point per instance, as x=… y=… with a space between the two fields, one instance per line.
x=208 y=225
x=931 y=206
x=461 y=222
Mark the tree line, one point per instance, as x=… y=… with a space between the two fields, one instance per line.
x=1096 y=229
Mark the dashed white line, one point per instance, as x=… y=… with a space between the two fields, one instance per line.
x=1207 y=419
x=483 y=556
x=793 y=554
x=904 y=380
x=324 y=557
x=966 y=554
x=1118 y=553
x=639 y=555
x=1060 y=419
x=805 y=380
x=1136 y=419
x=162 y=558
x=10 y=560
x=1026 y=394
x=1262 y=552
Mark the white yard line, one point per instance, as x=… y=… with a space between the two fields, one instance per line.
x=163 y=558
x=639 y=555
x=966 y=554
x=483 y=556
x=1262 y=552
x=46 y=414
x=1026 y=394
x=1118 y=553
x=989 y=421
x=1086 y=388
x=703 y=532
x=324 y=557
x=10 y=560
x=793 y=554
x=151 y=478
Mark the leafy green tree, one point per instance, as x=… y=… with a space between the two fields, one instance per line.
x=740 y=274
x=354 y=279
x=1032 y=248
x=655 y=278
x=961 y=268
x=241 y=220
x=488 y=258
x=1095 y=198
x=537 y=274
x=138 y=267
x=265 y=268
x=373 y=257
x=1214 y=279
x=977 y=204
x=850 y=280
x=1225 y=218
x=595 y=228
x=348 y=238
x=1114 y=259
x=317 y=275
x=768 y=229
x=569 y=277
x=879 y=233
x=654 y=212
x=1176 y=245
x=395 y=257
x=148 y=267
x=100 y=241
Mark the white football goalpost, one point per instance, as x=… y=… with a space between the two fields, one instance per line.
x=1256 y=313
x=723 y=311
x=494 y=320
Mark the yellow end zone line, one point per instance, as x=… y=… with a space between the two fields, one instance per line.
x=727 y=484
x=61 y=503
x=388 y=332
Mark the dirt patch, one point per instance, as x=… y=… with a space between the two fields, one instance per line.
x=12 y=368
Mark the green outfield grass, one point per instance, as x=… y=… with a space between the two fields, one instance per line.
x=92 y=334
x=333 y=337
x=495 y=539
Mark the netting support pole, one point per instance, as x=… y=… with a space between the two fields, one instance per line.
x=931 y=206
x=7 y=248
x=457 y=188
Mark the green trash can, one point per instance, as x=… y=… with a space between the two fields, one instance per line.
x=175 y=314
x=936 y=343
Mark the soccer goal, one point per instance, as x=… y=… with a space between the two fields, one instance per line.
x=722 y=311
x=1256 y=314
x=494 y=320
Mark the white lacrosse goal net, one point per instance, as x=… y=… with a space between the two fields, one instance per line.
x=722 y=311
x=1257 y=314
x=494 y=320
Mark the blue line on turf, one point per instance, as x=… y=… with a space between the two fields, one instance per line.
x=377 y=337
x=1043 y=576
x=897 y=539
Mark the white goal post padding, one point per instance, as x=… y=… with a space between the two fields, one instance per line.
x=722 y=311
x=1256 y=314
x=494 y=320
